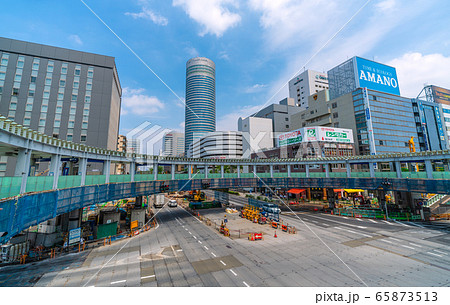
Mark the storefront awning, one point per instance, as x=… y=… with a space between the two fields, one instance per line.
x=350 y=191
x=338 y=190
x=296 y=191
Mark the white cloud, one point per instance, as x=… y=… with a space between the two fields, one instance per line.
x=134 y=101
x=387 y=5
x=415 y=69
x=255 y=88
x=76 y=39
x=148 y=14
x=229 y=121
x=224 y=55
x=213 y=15
x=193 y=52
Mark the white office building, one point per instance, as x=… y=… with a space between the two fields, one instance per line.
x=173 y=144
x=306 y=84
x=257 y=134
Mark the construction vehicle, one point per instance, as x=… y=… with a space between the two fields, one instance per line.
x=412 y=148
x=196 y=196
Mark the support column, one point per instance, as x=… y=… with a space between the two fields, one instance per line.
x=222 y=171
x=254 y=171
x=372 y=170
x=307 y=170
x=271 y=171
x=429 y=169
x=398 y=169
x=155 y=171
x=239 y=171
x=172 y=171
x=327 y=170
x=349 y=170
x=55 y=164
x=206 y=170
x=23 y=167
x=107 y=170
x=132 y=170
x=83 y=170
x=289 y=170
x=190 y=171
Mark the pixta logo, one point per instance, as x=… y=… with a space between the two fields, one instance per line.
x=146 y=139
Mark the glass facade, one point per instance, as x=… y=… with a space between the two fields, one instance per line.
x=200 y=113
x=392 y=118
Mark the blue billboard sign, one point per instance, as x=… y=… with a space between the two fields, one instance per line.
x=376 y=76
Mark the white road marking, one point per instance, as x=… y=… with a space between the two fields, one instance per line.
x=407 y=247
x=371 y=220
x=314 y=221
x=388 y=222
x=395 y=239
x=190 y=232
x=359 y=219
x=415 y=224
x=186 y=229
x=400 y=223
x=116 y=282
x=434 y=254
x=342 y=223
x=195 y=237
x=416 y=245
x=345 y=217
x=233 y=272
x=246 y=284
x=223 y=263
x=91 y=286
x=440 y=252
x=146 y=277
x=199 y=242
x=353 y=232
x=206 y=247
x=386 y=241
x=324 y=224
x=179 y=250
x=213 y=254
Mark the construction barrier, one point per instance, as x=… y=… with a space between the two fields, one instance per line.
x=255 y=236
x=274 y=224
x=292 y=230
x=284 y=228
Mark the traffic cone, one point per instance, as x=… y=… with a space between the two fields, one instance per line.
x=275 y=235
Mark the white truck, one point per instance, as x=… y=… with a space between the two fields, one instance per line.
x=159 y=201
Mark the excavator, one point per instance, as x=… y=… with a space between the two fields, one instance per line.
x=196 y=196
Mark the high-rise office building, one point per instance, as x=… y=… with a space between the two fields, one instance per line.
x=173 y=144
x=358 y=72
x=68 y=94
x=200 y=113
x=306 y=84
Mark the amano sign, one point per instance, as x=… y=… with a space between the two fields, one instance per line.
x=375 y=76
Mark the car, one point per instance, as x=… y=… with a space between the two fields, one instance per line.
x=173 y=203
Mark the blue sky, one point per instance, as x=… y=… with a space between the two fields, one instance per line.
x=257 y=45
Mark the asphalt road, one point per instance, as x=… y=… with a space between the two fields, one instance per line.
x=327 y=251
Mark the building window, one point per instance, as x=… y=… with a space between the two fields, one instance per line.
x=83 y=139
x=381 y=142
x=287 y=126
x=286 y=119
x=334 y=105
x=336 y=124
x=335 y=115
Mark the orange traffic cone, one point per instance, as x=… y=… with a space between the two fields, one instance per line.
x=275 y=235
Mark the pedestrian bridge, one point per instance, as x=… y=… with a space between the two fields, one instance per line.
x=29 y=200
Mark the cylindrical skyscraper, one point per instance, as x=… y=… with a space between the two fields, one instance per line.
x=200 y=113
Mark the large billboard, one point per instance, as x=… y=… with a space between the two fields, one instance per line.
x=375 y=76
x=441 y=95
x=312 y=134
